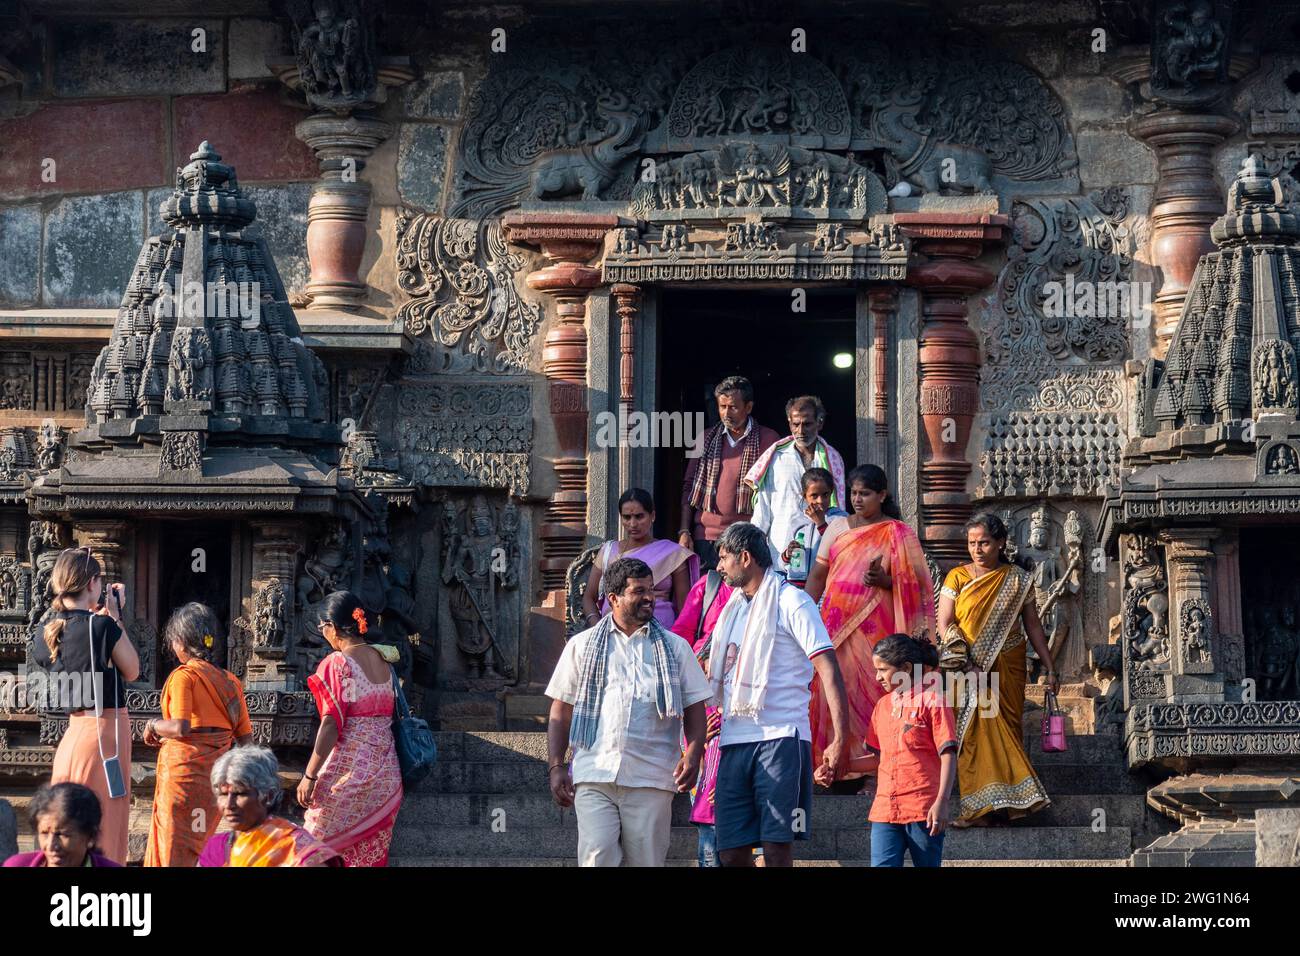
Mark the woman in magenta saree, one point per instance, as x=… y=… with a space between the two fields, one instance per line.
x=675 y=568
x=871 y=581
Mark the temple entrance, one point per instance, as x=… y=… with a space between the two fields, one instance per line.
x=708 y=335
x=194 y=565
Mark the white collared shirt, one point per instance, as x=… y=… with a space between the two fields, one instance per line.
x=733 y=442
x=779 y=504
x=634 y=747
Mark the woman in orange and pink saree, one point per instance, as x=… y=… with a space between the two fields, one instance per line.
x=871 y=580
x=675 y=569
x=988 y=606
x=352 y=784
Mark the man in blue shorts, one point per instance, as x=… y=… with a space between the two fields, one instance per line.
x=766 y=646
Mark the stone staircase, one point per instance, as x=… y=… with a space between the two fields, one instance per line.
x=487 y=804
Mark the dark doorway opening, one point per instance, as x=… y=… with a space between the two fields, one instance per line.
x=1270 y=610
x=708 y=335
x=194 y=565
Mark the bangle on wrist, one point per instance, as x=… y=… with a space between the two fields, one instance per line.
x=553 y=767
x=307 y=776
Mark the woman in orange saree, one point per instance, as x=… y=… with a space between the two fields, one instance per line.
x=871 y=580
x=991 y=602
x=203 y=713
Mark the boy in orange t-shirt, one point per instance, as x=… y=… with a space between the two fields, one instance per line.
x=913 y=731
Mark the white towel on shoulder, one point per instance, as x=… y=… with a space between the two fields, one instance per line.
x=754 y=660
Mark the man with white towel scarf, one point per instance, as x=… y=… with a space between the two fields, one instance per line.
x=767 y=644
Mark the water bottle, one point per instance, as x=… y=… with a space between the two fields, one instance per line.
x=799 y=556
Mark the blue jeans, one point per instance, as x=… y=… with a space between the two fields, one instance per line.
x=890 y=841
x=708 y=854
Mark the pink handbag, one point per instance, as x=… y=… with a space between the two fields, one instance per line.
x=1053 y=726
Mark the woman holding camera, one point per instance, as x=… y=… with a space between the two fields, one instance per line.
x=91 y=647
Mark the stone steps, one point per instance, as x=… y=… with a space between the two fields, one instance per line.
x=827 y=843
x=487 y=804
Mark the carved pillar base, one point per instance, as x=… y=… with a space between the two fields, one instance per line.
x=942 y=269
x=1187 y=202
x=569 y=241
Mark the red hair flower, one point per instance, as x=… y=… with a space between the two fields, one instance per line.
x=360 y=617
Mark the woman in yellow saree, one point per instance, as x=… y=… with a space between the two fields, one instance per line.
x=870 y=580
x=990 y=601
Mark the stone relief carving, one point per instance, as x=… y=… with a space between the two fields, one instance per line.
x=1144 y=612
x=181 y=451
x=1189 y=50
x=465 y=433
x=1195 y=630
x=49 y=446
x=937 y=116
x=189 y=374
x=1282 y=459
x=756 y=249
x=460 y=275
x=475 y=569
x=1275 y=377
x=15 y=587
x=269 y=616
x=333 y=41
x=575 y=585
x=1074 y=453
x=1044 y=323
x=1054 y=551
x=739 y=178
x=327 y=569
x=44 y=542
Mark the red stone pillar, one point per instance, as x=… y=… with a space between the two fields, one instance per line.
x=1187 y=202
x=627 y=299
x=570 y=241
x=883 y=303
x=942 y=268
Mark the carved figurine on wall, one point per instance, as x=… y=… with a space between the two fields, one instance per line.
x=268 y=616
x=1276 y=641
x=1062 y=611
x=49 y=445
x=1145 y=605
x=1193 y=48
x=44 y=543
x=468 y=566
x=334 y=58
x=325 y=571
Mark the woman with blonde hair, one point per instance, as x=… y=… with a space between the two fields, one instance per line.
x=92 y=647
x=203 y=715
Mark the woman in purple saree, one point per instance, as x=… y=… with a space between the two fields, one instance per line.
x=675 y=568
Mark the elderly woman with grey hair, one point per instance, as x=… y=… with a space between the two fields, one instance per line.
x=247 y=784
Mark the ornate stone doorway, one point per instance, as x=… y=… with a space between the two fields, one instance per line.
x=708 y=334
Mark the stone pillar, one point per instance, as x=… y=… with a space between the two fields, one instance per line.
x=942 y=268
x=1187 y=202
x=272 y=620
x=627 y=299
x=340 y=205
x=570 y=241
x=884 y=303
x=1189 y=553
x=106 y=539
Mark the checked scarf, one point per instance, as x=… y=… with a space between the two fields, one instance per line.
x=704 y=490
x=591 y=681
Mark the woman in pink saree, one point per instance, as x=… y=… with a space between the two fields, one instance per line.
x=352 y=786
x=675 y=568
x=871 y=580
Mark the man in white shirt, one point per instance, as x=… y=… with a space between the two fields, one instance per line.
x=767 y=645
x=620 y=694
x=777 y=477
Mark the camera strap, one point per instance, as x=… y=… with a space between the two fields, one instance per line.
x=94 y=691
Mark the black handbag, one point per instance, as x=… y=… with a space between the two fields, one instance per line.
x=416 y=750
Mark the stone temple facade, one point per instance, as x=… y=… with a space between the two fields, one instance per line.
x=302 y=296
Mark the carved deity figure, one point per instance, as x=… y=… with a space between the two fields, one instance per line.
x=8 y=588
x=468 y=566
x=1282 y=461
x=1195 y=44
x=326 y=570
x=49 y=445
x=1145 y=605
x=1275 y=642
x=268 y=616
x=333 y=52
